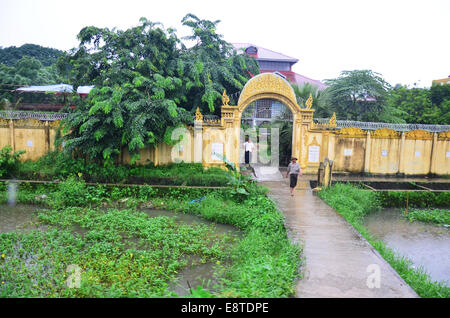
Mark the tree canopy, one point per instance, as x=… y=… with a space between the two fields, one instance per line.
x=47 y=56
x=26 y=71
x=147 y=82
x=422 y=105
x=358 y=95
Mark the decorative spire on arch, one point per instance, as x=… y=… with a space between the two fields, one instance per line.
x=332 y=122
x=225 y=98
x=198 y=115
x=309 y=101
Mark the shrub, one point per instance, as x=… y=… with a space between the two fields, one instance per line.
x=71 y=192
x=437 y=216
x=60 y=166
x=9 y=161
x=419 y=199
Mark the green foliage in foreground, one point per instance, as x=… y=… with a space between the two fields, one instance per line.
x=59 y=166
x=422 y=199
x=9 y=161
x=438 y=216
x=262 y=264
x=353 y=204
x=121 y=253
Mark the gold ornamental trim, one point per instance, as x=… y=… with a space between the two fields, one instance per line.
x=385 y=133
x=225 y=98
x=29 y=123
x=309 y=101
x=198 y=115
x=4 y=122
x=351 y=132
x=333 y=122
x=314 y=142
x=445 y=135
x=267 y=83
x=419 y=134
x=54 y=124
x=214 y=122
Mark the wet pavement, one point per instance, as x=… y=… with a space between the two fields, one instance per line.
x=338 y=261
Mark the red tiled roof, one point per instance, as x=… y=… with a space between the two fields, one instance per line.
x=301 y=79
x=265 y=54
x=269 y=55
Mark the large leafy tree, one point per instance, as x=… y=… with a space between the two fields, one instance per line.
x=147 y=83
x=211 y=66
x=414 y=103
x=360 y=95
x=422 y=105
x=136 y=91
x=440 y=96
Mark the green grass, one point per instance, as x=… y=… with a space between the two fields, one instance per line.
x=414 y=199
x=437 y=216
x=263 y=263
x=58 y=166
x=123 y=253
x=354 y=204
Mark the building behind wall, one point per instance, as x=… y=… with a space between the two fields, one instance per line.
x=264 y=111
x=442 y=81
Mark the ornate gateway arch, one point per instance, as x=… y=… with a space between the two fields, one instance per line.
x=266 y=86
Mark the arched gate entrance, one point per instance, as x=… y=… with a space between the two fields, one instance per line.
x=265 y=86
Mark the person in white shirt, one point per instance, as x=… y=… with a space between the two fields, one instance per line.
x=293 y=171
x=248 y=147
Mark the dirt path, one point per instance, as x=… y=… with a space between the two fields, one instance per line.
x=338 y=260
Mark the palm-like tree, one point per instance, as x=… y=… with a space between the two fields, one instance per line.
x=302 y=93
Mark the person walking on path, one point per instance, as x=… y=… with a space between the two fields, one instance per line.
x=248 y=147
x=293 y=171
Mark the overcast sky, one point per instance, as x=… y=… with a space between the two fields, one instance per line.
x=406 y=41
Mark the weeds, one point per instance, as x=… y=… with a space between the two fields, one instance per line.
x=422 y=199
x=9 y=161
x=123 y=253
x=437 y=216
x=57 y=165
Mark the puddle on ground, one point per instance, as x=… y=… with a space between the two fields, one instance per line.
x=424 y=244
x=19 y=217
x=192 y=276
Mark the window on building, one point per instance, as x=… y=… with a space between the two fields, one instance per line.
x=251 y=50
x=273 y=65
x=264 y=110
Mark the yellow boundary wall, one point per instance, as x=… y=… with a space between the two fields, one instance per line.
x=382 y=151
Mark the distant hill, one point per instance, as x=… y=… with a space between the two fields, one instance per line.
x=47 y=56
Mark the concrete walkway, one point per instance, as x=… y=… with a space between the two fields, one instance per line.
x=336 y=256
